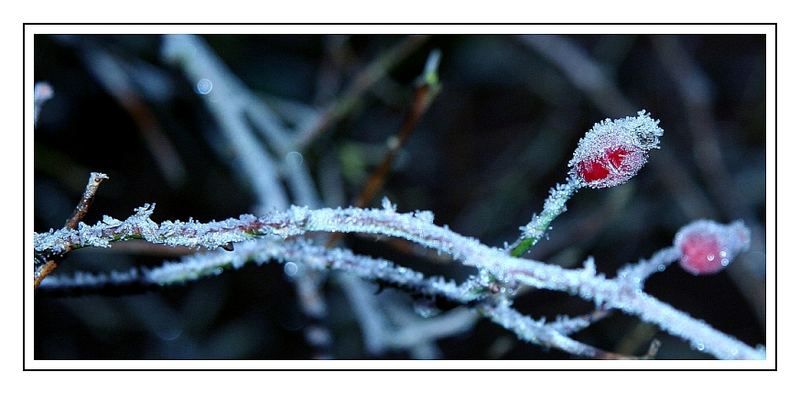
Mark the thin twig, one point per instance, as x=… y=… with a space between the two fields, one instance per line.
x=539 y=333
x=41 y=271
x=376 y=70
x=115 y=76
x=427 y=89
x=554 y=205
x=95 y=179
x=425 y=92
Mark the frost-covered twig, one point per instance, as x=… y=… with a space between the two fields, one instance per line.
x=554 y=205
x=570 y=325
x=299 y=252
x=659 y=261
x=95 y=179
x=309 y=256
x=540 y=333
x=50 y=261
x=419 y=228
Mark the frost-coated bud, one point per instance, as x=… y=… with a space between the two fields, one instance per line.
x=613 y=151
x=707 y=247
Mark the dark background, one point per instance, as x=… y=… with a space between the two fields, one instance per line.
x=482 y=158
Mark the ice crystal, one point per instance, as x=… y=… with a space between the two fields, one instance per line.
x=425 y=216
x=387 y=205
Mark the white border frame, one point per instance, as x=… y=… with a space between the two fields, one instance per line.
x=769 y=30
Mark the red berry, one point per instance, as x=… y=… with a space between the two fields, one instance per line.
x=612 y=152
x=616 y=156
x=612 y=164
x=701 y=254
x=592 y=170
x=708 y=247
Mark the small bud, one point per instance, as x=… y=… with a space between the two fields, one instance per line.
x=613 y=151
x=707 y=247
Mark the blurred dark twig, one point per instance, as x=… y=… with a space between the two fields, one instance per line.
x=373 y=72
x=111 y=73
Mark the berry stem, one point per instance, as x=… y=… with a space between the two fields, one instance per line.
x=554 y=205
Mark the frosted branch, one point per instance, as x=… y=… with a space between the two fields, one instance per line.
x=418 y=228
x=309 y=256
x=539 y=332
x=639 y=272
x=571 y=325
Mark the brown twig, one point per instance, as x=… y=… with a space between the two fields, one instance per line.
x=423 y=96
x=427 y=88
x=114 y=75
x=95 y=179
x=360 y=85
x=43 y=271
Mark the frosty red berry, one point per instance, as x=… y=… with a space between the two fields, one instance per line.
x=613 y=151
x=708 y=247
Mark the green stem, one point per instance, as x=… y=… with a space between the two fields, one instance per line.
x=554 y=205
